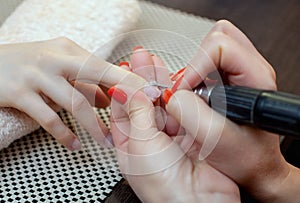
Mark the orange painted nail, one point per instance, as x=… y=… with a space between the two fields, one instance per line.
x=167 y=95
x=137 y=47
x=177 y=83
x=124 y=63
x=181 y=70
x=174 y=77
x=117 y=94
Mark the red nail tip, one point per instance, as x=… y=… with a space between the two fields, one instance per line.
x=177 y=83
x=181 y=70
x=137 y=47
x=124 y=63
x=174 y=77
x=167 y=95
x=111 y=91
x=117 y=94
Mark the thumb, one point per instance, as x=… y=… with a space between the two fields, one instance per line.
x=204 y=124
x=148 y=150
x=234 y=150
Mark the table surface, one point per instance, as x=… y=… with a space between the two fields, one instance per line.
x=273 y=26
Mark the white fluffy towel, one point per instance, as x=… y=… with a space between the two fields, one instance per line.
x=89 y=23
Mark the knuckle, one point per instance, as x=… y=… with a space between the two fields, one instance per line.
x=138 y=109
x=15 y=89
x=218 y=38
x=135 y=111
x=44 y=57
x=32 y=75
x=31 y=78
x=63 y=40
x=222 y=25
x=64 y=43
x=10 y=97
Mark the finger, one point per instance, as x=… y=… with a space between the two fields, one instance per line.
x=223 y=143
x=201 y=125
x=142 y=64
x=65 y=45
x=35 y=107
x=89 y=69
x=50 y=103
x=170 y=125
x=93 y=94
x=189 y=145
x=74 y=102
x=226 y=27
x=120 y=126
x=125 y=65
x=162 y=73
x=145 y=143
x=220 y=52
x=232 y=31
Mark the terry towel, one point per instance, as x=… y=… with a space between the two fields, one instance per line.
x=89 y=23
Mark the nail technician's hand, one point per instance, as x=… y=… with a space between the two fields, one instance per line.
x=37 y=77
x=249 y=156
x=159 y=168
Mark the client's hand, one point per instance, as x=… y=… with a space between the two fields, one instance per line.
x=37 y=77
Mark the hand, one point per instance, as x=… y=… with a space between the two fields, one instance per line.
x=152 y=69
x=38 y=77
x=159 y=168
x=249 y=156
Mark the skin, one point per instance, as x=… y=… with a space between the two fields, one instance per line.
x=184 y=168
x=230 y=51
x=38 y=78
x=136 y=131
x=181 y=177
x=41 y=77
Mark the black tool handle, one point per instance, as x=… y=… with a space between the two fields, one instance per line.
x=273 y=111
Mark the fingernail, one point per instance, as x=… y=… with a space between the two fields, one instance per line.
x=181 y=70
x=124 y=63
x=177 y=83
x=175 y=76
x=137 y=47
x=76 y=145
x=119 y=95
x=152 y=54
x=167 y=95
x=152 y=92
